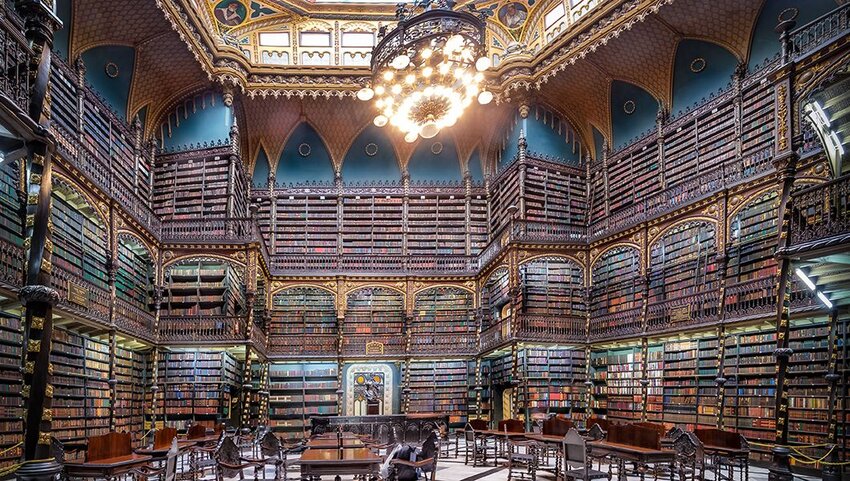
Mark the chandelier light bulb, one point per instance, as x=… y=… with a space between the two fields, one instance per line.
x=388 y=75
x=365 y=94
x=410 y=137
x=401 y=62
x=379 y=90
x=410 y=78
x=485 y=97
x=444 y=68
x=380 y=121
x=426 y=54
x=429 y=130
x=482 y=64
x=459 y=73
x=427 y=72
x=454 y=43
x=396 y=89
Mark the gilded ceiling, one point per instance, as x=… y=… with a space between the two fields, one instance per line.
x=258 y=49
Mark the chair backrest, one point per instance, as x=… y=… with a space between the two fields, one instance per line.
x=477 y=424
x=721 y=438
x=429 y=447
x=228 y=453
x=196 y=431
x=163 y=437
x=603 y=424
x=575 y=449
x=109 y=445
x=469 y=436
x=557 y=426
x=171 y=461
x=659 y=428
x=270 y=445
x=511 y=426
x=634 y=436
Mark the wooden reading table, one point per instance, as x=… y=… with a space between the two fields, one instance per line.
x=107 y=457
x=633 y=443
x=162 y=443
x=336 y=462
x=333 y=443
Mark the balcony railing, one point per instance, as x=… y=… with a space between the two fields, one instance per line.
x=227 y=230
x=15 y=55
x=134 y=320
x=615 y=324
x=299 y=346
x=202 y=329
x=11 y=264
x=683 y=311
x=820 y=215
x=756 y=297
x=545 y=328
x=495 y=334
x=444 y=344
x=356 y=345
x=813 y=35
x=80 y=296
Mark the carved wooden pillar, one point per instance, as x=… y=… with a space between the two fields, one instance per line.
x=408 y=340
x=38 y=296
x=247 y=373
x=605 y=153
x=738 y=109
x=405 y=215
x=231 y=170
x=340 y=217
x=588 y=383
x=157 y=311
x=522 y=168
x=136 y=130
x=785 y=160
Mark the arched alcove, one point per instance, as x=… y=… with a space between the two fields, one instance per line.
x=305 y=158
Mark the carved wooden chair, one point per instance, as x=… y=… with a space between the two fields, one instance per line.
x=425 y=463
x=196 y=431
x=230 y=463
x=477 y=447
x=690 y=457
x=721 y=463
x=576 y=462
x=166 y=472
x=446 y=440
x=523 y=459
x=203 y=458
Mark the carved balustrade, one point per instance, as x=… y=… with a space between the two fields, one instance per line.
x=15 y=58
x=132 y=319
x=812 y=36
x=540 y=328
x=615 y=324
x=314 y=345
x=356 y=345
x=820 y=216
x=81 y=297
x=225 y=230
x=699 y=308
x=206 y=329
x=449 y=344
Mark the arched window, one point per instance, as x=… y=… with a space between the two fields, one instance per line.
x=134 y=278
x=682 y=262
x=444 y=321
x=552 y=286
x=303 y=321
x=374 y=321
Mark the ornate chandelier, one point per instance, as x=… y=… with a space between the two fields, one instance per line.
x=428 y=69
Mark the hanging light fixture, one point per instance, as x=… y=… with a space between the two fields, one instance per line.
x=428 y=70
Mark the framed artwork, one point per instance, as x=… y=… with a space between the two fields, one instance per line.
x=513 y=15
x=230 y=13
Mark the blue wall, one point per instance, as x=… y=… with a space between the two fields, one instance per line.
x=444 y=166
x=625 y=127
x=203 y=118
x=261 y=169
x=62 y=38
x=765 y=41
x=476 y=170
x=115 y=90
x=294 y=168
x=359 y=167
x=545 y=134
x=691 y=87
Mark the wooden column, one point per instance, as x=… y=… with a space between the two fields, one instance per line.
x=112 y=380
x=784 y=161
x=467 y=188
x=588 y=383
x=644 y=379
x=247 y=373
x=38 y=296
x=720 y=380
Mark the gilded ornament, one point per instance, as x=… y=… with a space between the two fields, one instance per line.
x=29 y=367
x=34 y=345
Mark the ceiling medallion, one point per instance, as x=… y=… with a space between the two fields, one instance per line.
x=629 y=107
x=698 y=65
x=371 y=149
x=304 y=150
x=437 y=148
x=111 y=70
x=429 y=69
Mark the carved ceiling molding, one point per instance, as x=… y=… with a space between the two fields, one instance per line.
x=226 y=64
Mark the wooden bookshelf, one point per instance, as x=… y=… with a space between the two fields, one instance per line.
x=206 y=183
x=11 y=223
x=134 y=278
x=11 y=409
x=552 y=286
x=808 y=396
x=504 y=193
x=440 y=387
x=79 y=239
x=750 y=370
x=203 y=287
x=616 y=294
x=494 y=296
x=555 y=194
x=374 y=314
x=655 y=377
x=298 y=391
x=554 y=381
x=690 y=392
x=198 y=387
x=131 y=374
x=444 y=322
x=372 y=225
x=436 y=225
x=311 y=225
x=478 y=223
x=752 y=240
x=616 y=375
x=303 y=322
x=682 y=262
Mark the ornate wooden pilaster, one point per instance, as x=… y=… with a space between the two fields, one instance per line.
x=478 y=387
x=588 y=383
x=467 y=188
x=738 y=108
x=408 y=339
x=247 y=373
x=516 y=382
x=605 y=188
x=340 y=220
x=405 y=214
x=832 y=471
x=136 y=130
x=660 y=120
x=522 y=169
x=644 y=377
x=233 y=158
x=720 y=380
x=112 y=380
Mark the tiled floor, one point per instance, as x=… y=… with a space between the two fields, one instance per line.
x=453 y=469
